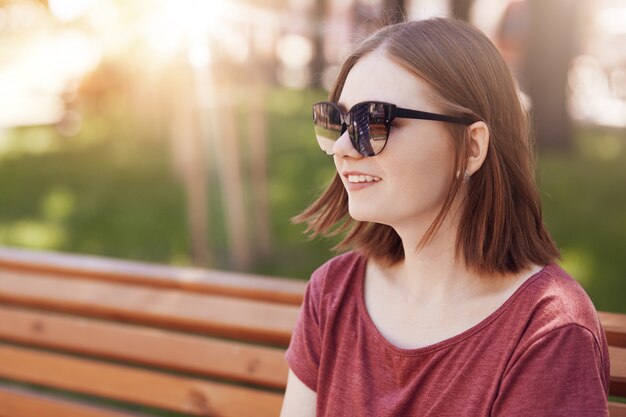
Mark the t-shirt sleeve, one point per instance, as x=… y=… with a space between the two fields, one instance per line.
x=303 y=353
x=561 y=374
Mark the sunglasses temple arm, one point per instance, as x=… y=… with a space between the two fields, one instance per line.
x=423 y=115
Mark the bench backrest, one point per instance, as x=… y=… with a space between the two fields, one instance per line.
x=78 y=329
x=186 y=340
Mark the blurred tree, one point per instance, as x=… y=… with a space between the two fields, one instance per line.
x=511 y=38
x=372 y=15
x=191 y=158
x=539 y=39
x=318 y=63
x=257 y=142
x=552 y=43
x=460 y=9
x=395 y=9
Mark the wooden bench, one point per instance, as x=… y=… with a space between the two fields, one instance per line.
x=84 y=336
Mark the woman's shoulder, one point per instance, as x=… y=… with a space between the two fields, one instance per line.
x=554 y=318
x=335 y=275
x=552 y=300
x=341 y=266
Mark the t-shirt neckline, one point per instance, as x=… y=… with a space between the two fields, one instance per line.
x=373 y=330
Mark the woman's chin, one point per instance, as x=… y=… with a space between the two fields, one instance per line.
x=364 y=215
x=360 y=215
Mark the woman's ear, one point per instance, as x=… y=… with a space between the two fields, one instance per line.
x=478 y=146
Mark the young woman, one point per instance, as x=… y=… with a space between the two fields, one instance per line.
x=450 y=303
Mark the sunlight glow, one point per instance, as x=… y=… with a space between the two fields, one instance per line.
x=294 y=50
x=175 y=23
x=66 y=10
x=592 y=98
x=612 y=20
x=58 y=204
x=40 y=141
x=40 y=60
x=33 y=234
x=104 y=15
x=199 y=55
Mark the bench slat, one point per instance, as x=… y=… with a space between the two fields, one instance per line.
x=242 y=285
x=618 y=371
x=24 y=402
x=617 y=409
x=244 y=319
x=615 y=327
x=188 y=353
x=139 y=386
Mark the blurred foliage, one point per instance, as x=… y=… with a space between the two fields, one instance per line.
x=112 y=196
x=110 y=190
x=584 y=202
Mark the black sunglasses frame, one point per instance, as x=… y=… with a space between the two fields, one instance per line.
x=391 y=112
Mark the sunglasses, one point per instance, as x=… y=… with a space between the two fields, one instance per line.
x=368 y=124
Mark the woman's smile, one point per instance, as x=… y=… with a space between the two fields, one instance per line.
x=354 y=180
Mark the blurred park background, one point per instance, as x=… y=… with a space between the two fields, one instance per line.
x=178 y=131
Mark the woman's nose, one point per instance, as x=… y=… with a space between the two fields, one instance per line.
x=343 y=147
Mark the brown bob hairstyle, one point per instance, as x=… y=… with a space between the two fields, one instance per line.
x=500 y=228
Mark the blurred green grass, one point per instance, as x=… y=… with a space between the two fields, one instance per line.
x=110 y=190
x=584 y=202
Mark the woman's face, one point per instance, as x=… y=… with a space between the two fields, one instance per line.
x=411 y=176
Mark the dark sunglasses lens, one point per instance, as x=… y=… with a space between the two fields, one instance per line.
x=328 y=125
x=369 y=128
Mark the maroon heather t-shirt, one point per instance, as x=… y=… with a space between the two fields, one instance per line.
x=542 y=353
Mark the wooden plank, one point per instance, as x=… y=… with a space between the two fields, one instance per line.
x=250 y=286
x=617 y=409
x=245 y=319
x=615 y=327
x=618 y=371
x=188 y=353
x=22 y=402
x=147 y=387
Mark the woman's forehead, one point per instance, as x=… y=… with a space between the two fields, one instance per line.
x=376 y=78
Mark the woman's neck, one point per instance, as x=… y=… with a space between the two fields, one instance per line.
x=434 y=271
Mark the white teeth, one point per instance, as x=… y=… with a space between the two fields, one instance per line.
x=362 y=178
